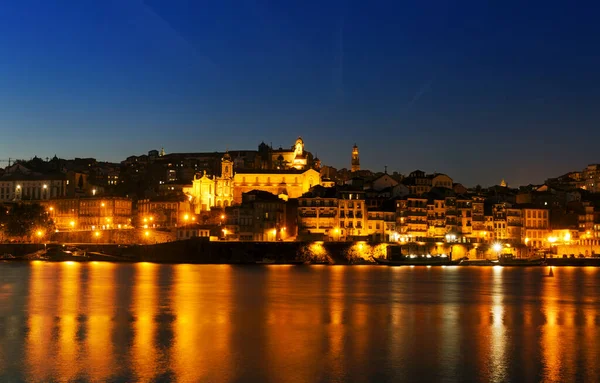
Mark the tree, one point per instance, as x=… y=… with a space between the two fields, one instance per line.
x=26 y=219
x=80 y=182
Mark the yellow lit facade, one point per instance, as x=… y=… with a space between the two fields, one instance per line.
x=207 y=192
x=536 y=226
x=89 y=213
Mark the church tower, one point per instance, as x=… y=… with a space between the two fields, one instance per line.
x=226 y=166
x=224 y=184
x=355 y=159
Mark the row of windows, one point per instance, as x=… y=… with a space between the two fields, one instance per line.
x=351 y=224
x=537 y=214
x=269 y=180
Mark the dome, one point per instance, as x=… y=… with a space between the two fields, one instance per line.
x=227 y=157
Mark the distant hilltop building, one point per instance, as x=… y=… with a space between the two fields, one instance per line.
x=355 y=159
x=287 y=173
x=503 y=183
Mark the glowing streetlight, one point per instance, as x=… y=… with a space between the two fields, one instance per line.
x=45 y=186
x=147 y=233
x=567 y=237
x=93 y=192
x=72 y=223
x=102 y=204
x=497 y=247
x=186 y=217
x=222 y=216
x=97 y=233
x=39 y=233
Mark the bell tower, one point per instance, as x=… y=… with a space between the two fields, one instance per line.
x=226 y=166
x=355 y=159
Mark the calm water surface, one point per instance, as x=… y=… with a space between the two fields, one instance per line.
x=98 y=322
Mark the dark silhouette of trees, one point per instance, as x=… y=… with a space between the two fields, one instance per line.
x=24 y=220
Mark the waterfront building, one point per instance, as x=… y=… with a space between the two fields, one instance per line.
x=90 y=213
x=165 y=211
x=261 y=216
x=536 y=225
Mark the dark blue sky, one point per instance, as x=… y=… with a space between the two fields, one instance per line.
x=477 y=91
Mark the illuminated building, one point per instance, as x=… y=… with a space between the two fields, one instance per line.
x=336 y=214
x=355 y=159
x=381 y=223
x=289 y=177
x=536 y=225
x=260 y=217
x=89 y=213
x=165 y=211
x=19 y=183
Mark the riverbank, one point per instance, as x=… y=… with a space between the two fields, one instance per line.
x=202 y=251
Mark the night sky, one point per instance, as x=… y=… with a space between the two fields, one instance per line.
x=479 y=92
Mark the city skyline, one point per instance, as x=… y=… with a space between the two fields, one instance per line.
x=479 y=92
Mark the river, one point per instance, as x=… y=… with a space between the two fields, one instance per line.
x=98 y=322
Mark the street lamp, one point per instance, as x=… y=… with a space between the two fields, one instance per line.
x=497 y=248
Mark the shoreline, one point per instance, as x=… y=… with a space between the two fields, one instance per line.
x=202 y=251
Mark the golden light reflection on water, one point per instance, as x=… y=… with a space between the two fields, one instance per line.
x=335 y=330
x=550 y=340
x=186 y=325
x=498 y=341
x=100 y=325
x=221 y=323
x=144 y=358
x=68 y=310
x=290 y=317
x=41 y=321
